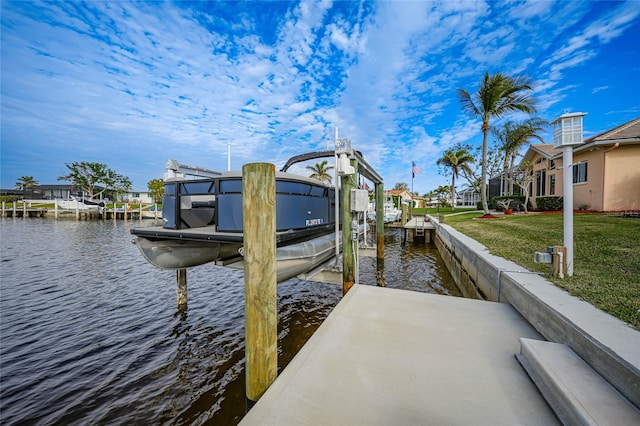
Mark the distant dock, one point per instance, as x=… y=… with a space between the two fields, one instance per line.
x=34 y=209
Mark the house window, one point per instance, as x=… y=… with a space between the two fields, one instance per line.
x=552 y=166
x=135 y=195
x=552 y=185
x=541 y=177
x=580 y=172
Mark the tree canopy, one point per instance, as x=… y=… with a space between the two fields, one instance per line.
x=457 y=160
x=156 y=188
x=25 y=182
x=320 y=171
x=497 y=96
x=514 y=135
x=402 y=186
x=90 y=176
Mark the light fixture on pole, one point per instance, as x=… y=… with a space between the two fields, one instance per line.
x=567 y=133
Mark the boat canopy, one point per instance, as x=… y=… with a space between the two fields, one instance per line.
x=363 y=167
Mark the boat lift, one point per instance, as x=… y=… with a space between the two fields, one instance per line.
x=349 y=164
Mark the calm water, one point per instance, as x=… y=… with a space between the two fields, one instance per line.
x=90 y=332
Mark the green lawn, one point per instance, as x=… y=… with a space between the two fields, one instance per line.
x=606 y=254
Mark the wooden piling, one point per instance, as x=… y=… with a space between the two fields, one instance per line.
x=181 y=289
x=3 y=209
x=261 y=313
x=348 y=182
x=379 y=187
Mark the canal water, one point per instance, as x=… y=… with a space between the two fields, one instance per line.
x=90 y=332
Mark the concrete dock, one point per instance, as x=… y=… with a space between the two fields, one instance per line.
x=386 y=356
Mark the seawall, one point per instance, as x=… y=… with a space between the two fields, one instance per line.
x=608 y=345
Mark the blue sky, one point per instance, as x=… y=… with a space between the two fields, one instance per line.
x=133 y=84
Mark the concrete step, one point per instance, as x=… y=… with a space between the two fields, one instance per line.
x=577 y=394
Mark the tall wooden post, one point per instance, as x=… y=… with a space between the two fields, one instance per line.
x=55 y=208
x=261 y=311
x=379 y=221
x=3 y=209
x=181 y=290
x=348 y=182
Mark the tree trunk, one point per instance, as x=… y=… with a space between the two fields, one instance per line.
x=483 y=177
x=453 y=191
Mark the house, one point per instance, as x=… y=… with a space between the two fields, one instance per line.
x=59 y=191
x=418 y=201
x=468 y=197
x=606 y=176
x=138 y=197
x=403 y=194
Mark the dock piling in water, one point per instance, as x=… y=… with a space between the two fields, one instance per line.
x=181 y=290
x=261 y=310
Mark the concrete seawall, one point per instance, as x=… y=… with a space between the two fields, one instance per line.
x=608 y=345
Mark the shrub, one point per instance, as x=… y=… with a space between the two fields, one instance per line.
x=551 y=203
x=516 y=201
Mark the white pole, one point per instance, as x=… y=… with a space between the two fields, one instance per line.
x=55 y=208
x=228 y=156
x=567 y=205
x=337 y=208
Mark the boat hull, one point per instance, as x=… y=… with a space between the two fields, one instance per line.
x=291 y=260
x=178 y=254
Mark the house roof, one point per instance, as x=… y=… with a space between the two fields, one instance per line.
x=546 y=150
x=397 y=192
x=626 y=133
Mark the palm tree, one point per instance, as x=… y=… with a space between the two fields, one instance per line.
x=512 y=136
x=458 y=160
x=497 y=96
x=320 y=171
x=26 y=182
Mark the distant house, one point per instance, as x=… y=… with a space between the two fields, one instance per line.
x=468 y=197
x=64 y=191
x=51 y=192
x=138 y=197
x=606 y=175
x=418 y=201
x=405 y=196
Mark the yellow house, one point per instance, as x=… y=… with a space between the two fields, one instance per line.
x=606 y=171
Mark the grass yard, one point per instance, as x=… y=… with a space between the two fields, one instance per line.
x=606 y=254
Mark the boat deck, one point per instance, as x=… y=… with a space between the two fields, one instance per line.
x=386 y=356
x=209 y=233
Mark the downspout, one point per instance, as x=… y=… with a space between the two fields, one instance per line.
x=604 y=169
